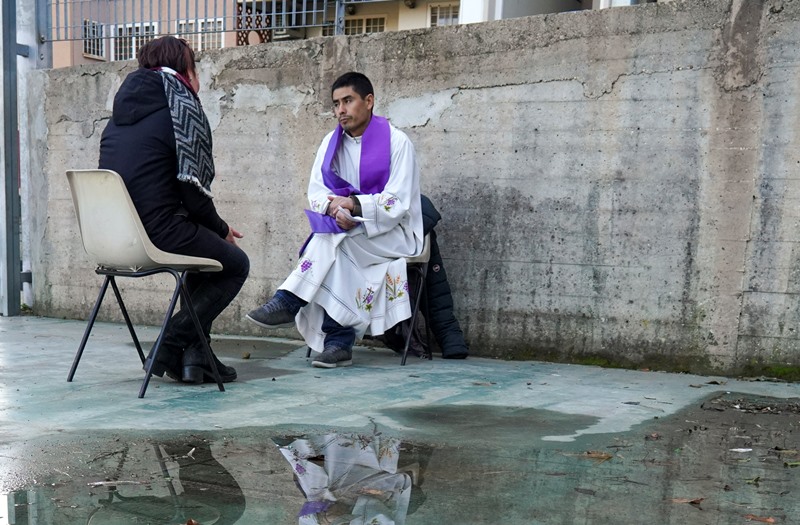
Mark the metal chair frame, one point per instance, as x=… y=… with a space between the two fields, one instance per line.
x=179 y=291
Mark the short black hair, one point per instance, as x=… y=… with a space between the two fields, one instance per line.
x=358 y=81
x=167 y=51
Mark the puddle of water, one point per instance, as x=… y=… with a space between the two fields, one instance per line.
x=719 y=462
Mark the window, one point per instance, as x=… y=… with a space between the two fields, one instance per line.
x=357 y=26
x=129 y=38
x=202 y=34
x=93 y=44
x=375 y=25
x=444 y=15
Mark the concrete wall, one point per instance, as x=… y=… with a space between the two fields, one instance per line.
x=617 y=186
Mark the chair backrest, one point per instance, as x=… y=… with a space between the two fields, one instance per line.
x=111 y=230
x=425 y=255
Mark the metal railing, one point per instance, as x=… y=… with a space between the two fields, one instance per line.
x=143 y=19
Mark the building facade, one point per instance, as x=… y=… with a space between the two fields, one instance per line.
x=91 y=31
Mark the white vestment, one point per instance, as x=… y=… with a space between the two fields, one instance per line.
x=359 y=277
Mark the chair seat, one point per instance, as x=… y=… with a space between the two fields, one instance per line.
x=170 y=260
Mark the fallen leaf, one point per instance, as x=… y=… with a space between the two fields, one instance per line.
x=753 y=517
x=593 y=454
x=753 y=481
x=190 y=521
x=245 y=355
x=598 y=455
x=696 y=386
x=792 y=464
x=690 y=501
x=715 y=382
x=588 y=492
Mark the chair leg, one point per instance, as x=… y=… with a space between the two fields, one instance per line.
x=149 y=369
x=187 y=303
x=424 y=298
x=127 y=319
x=410 y=333
x=89 y=326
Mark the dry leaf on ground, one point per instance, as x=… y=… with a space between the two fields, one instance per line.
x=753 y=517
x=690 y=501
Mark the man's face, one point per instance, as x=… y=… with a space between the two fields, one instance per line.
x=352 y=111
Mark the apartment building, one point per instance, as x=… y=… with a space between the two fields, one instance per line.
x=88 y=31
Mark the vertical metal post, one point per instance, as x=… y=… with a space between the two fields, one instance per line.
x=11 y=281
x=339 y=18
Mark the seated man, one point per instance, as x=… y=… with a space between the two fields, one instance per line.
x=365 y=218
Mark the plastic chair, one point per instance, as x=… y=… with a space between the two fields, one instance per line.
x=114 y=237
x=418 y=265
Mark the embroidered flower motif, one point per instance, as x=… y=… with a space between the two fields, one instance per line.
x=364 y=302
x=395 y=288
x=306 y=265
x=300 y=469
x=387 y=201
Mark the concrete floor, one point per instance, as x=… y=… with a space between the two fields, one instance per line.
x=482 y=441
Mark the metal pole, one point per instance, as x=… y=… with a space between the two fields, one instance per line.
x=12 y=278
x=339 y=18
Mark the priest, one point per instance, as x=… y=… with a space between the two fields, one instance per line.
x=365 y=218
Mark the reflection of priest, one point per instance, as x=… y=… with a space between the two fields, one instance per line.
x=350 y=479
x=365 y=217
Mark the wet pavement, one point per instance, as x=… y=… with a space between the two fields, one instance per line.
x=445 y=442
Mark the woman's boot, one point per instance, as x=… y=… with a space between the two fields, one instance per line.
x=196 y=368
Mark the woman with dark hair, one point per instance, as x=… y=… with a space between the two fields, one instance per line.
x=159 y=141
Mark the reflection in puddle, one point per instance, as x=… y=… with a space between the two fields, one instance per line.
x=343 y=478
x=351 y=479
x=152 y=484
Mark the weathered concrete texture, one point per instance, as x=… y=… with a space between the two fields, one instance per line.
x=617 y=186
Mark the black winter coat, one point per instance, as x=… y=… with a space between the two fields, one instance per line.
x=139 y=144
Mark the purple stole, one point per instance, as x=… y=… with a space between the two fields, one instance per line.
x=373 y=171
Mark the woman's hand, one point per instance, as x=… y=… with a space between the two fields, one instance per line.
x=233 y=235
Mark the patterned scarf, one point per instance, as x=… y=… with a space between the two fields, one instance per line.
x=192 y=133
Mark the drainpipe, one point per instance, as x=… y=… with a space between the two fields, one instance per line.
x=33 y=27
x=10 y=265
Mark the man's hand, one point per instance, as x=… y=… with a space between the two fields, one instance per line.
x=336 y=201
x=233 y=235
x=333 y=210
